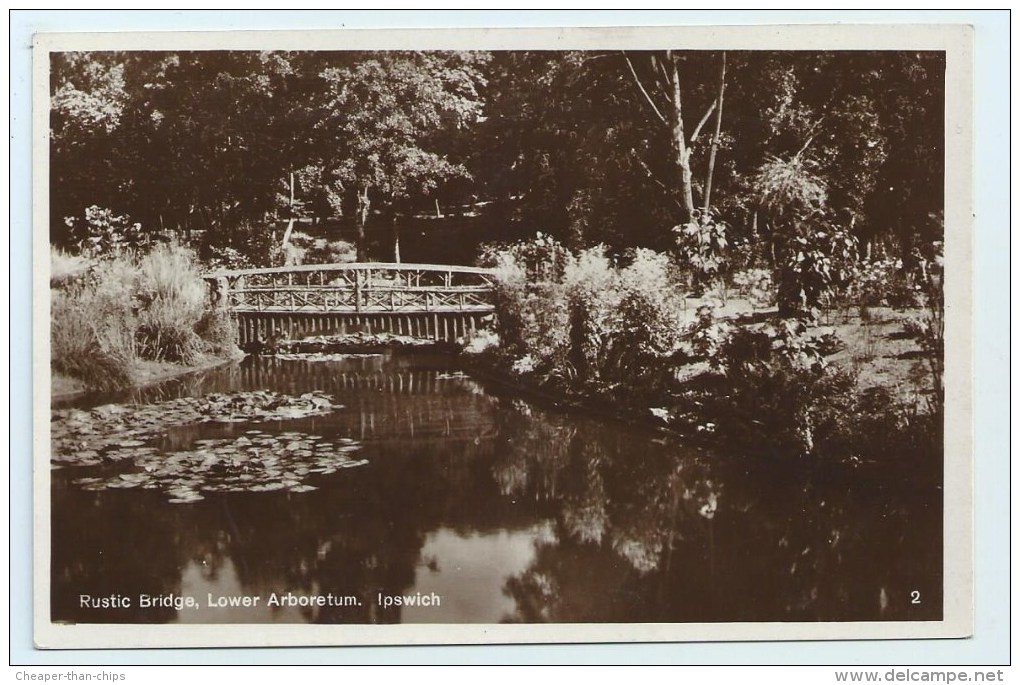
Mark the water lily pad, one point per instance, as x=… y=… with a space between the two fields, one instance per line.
x=254 y=461
x=121 y=484
x=185 y=500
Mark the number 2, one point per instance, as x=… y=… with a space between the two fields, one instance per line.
x=915 y=596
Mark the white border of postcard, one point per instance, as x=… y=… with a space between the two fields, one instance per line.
x=955 y=40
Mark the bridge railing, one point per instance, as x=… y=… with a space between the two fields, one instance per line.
x=355 y=287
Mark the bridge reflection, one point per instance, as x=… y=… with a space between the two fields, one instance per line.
x=381 y=397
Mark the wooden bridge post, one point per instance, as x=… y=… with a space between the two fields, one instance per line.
x=357 y=291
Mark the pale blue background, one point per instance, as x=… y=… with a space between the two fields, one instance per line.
x=991 y=643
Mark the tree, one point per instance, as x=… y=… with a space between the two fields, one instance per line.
x=88 y=98
x=567 y=149
x=383 y=115
x=663 y=72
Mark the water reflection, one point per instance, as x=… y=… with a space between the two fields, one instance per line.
x=505 y=511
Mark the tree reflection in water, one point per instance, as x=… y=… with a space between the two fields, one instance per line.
x=607 y=523
x=648 y=532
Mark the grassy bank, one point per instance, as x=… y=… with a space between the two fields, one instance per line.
x=130 y=318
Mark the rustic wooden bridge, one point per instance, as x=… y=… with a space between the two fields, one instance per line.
x=427 y=301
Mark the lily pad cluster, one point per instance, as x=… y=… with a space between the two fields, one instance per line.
x=252 y=462
x=320 y=356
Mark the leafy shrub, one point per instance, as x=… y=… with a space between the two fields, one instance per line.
x=818 y=259
x=322 y=250
x=793 y=185
x=646 y=327
x=593 y=291
x=883 y=283
x=101 y=232
x=248 y=245
x=530 y=298
x=224 y=257
x=756 y=285
x=218 y=331
x=542 y=259
x=929 y=328
x=580 y=319
x=779 y=396
x=702 y=244
x=704 y=338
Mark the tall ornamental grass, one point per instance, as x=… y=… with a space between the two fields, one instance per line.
x=131 y=307
x=171 y=298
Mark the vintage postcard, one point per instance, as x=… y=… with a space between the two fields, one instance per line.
x=502 y=336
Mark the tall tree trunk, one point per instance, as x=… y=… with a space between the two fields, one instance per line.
x=362 y=218
x=681 y=153
x=715 y=138
x=396 y=236
x=290 y=210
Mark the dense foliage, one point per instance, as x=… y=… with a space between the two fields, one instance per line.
x=613 y=148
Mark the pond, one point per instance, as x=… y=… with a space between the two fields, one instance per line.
x=445 y=499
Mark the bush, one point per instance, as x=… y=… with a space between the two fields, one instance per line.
x=245 y=246
x=703 y=339
x=702 y=244
x=171 y=298
x=129 y=307
x=91 y=335
x=646 y=327
x=310 y=250
x=818 y=261
x=580 y=319
x=883 y=283
x=593 y=292
x=224 y=257
x=218 y=331
x=929 y=329
x=530 y=298
x=779 y=398
x=101 y=232
x=756 y=285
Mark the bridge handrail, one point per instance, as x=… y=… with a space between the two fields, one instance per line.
x=381 y=287
x=353 y=266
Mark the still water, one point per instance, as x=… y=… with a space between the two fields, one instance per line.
x=476 y=506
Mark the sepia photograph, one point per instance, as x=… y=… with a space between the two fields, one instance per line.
x=539 y=336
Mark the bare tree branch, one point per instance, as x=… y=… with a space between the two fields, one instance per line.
x=812 y=131
x=662 y=70
x=708 y=113
x=804 y=146
x=643 y=91
x=656 y=181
